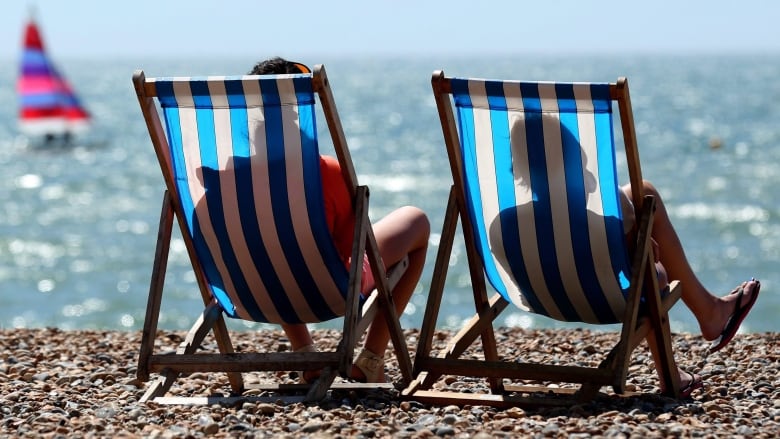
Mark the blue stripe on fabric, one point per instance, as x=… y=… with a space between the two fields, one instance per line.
x=577 y=201
x=61 y=101
x=312 y=183
x=35 y=63
x=234 y=89
x=460 y=93
x=41 y=100
x=69 y=100
x=304 y=92
x=166 y=96
x=36 y=70
x=210 y=171
x=279 y=200
x=610 y=186
x=602 y=101
x=167 y=100
x=34 y=56
x=537 y=161
x=462 y=98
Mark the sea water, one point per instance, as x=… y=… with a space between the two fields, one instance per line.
x=78 y=225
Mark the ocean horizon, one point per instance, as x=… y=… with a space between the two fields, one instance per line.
x=78 y=224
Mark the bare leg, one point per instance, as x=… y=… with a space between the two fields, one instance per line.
x=711 y=312
x=298 y=334
x=300 y=337
x=403 y=232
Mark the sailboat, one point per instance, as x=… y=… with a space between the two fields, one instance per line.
x=49 y=108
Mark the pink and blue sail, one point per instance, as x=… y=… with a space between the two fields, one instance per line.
x=48 y=104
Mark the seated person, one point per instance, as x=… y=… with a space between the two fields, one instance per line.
x=403 y=232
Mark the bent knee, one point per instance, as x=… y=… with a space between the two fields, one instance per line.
x=419 y=219
x=649 y=189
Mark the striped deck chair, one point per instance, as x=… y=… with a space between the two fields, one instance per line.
x=240 y=160
x=536 y=191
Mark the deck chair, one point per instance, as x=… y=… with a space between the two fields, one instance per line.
x=535 y=187
x=240 y=160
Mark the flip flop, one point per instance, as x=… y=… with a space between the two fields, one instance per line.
x=696 y=383
x=740 y=312
x=371 y=365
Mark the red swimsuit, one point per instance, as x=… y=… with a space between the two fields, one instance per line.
x=340 y=216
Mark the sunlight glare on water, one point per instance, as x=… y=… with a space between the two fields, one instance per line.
x=78 y=226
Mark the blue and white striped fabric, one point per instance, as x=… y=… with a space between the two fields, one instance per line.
x=542 y=194
x=245 y=159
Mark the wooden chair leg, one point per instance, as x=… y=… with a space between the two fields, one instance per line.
x=438 y=279
x=482 y=304
x=659 y=322
x=156 y=287
x=191 y=343
x=319 y=388
x=226 y=347
x=425 y=344
x=352 y=314
x=159 y=387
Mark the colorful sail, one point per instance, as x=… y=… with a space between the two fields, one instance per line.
x=48 y=105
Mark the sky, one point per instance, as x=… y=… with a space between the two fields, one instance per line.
x=290 y=28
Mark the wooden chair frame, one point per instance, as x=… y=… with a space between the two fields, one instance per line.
x=356 y=320
x=612 y=371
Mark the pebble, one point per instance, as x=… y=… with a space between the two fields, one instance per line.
x=82 y=383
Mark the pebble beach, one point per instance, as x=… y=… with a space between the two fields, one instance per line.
x=64 y=384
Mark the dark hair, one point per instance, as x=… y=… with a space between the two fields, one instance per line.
x=278 y=66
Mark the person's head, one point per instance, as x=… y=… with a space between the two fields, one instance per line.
x=278 y=66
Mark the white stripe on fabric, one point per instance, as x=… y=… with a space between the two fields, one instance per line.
x=193 y=167
x=298 y=203
x=526 y=221
x=261 y=191
x=596 y=227
x=559 y=201
x=230 y=195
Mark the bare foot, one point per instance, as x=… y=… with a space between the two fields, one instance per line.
x=725 y=309
x=688 y=383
